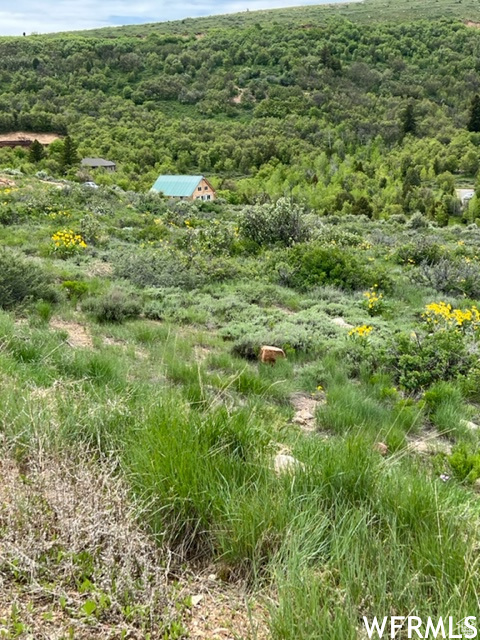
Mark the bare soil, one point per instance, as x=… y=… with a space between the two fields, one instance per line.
x=305 y=407
x=77 y=334
x=43 y=138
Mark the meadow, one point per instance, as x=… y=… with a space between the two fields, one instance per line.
x=144 y=445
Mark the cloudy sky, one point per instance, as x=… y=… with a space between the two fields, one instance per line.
x=43 y=16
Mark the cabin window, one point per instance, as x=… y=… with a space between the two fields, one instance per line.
x=199 y=188
x=206 y=188
x=208 y=197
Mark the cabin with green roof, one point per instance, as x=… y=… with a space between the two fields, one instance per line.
x=184 y=187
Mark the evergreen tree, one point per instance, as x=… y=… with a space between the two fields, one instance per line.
x=362 y=207
x=474 y=118
x=69 y=155
x=37 y=152
x=409 y=122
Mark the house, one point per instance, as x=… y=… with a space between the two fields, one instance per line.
x=184 y=187
x=465 y=195
x=99 y=163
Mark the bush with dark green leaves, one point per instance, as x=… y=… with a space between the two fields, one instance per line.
x=306 y=266
x=22 y=280
x=115 y=306
x=419 y=361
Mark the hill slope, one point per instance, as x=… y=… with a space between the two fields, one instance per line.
x=363 y=11
x=309 y=106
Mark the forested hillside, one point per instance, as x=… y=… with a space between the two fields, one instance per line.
x=319 y=111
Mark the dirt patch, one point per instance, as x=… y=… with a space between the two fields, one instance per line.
x=77 y=334
x=305 y=407
x=43 y=138
x=429 y=445
x=6 y=182
x=238 y=99
x=472 y=25
x=100 y=269
x=201 y=353
x=220 y=611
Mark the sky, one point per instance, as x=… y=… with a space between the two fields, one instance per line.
x=44 y=16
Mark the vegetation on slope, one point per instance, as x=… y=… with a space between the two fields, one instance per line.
x=340 y=482
x=316 y=113
x=375 y=514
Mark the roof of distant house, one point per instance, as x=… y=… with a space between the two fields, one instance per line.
x=465 y=194
x=97 y=162
x=177 y=186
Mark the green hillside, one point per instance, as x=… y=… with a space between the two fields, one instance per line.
x=364 y=11
x=162 y=481
x=259 y=110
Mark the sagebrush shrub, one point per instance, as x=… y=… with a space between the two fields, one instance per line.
x=451 y=276
x=21 y=280
x=150 y=268
x=116 y=305
x=417 y=221
x=280 y=223
x=419 y=250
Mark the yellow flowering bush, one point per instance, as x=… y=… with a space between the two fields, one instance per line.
x=361 y=332
x=440 y=315
x=374 y=302
x=67 y=243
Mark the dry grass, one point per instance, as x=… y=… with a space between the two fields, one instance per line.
x=78 y=336
x=71 y=542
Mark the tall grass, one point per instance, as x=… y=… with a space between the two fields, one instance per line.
x=349 y=533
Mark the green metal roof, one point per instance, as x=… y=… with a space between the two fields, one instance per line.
x=177 y=186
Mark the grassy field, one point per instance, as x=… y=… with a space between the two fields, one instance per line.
x=336 y=484
x=364 y=12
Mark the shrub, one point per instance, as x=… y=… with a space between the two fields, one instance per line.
x=419 y=362
x=21 y=280
x=417 y=221
x=75 y=289
x=9 y=215
x=420 y=250
x=308 y=266
x=451 y=276
x=154 y=310
x=280 y=223
x=116 y=305
x=247 y=348
x=339 y=237
x=150 y=268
